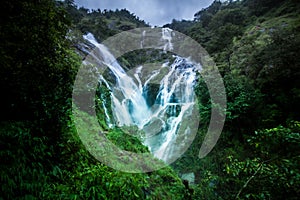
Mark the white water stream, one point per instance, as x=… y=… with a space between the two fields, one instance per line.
x=173 y=104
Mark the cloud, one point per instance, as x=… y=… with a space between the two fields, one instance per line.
x=156 y=12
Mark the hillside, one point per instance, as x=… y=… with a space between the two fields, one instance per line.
x=255 y=44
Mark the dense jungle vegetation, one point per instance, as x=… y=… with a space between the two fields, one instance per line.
x=255 y=44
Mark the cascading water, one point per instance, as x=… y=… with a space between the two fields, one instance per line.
x=173 y=102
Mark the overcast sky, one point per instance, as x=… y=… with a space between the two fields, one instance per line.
x=154 y=12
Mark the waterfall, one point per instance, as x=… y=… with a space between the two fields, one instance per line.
x=164 y=122
x=167 y=36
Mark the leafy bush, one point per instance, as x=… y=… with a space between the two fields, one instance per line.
x=271 y=169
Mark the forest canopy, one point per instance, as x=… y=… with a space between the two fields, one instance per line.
x=255 y=44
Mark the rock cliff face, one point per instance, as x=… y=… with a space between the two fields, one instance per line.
x=158 y=97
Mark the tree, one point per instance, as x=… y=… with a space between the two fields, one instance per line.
x=272 y=168
x=38 y=66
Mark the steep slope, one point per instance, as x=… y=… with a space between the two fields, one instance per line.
x=256 y=47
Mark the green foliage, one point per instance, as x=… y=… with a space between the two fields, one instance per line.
x=26 y=172
x=234 y=16
x=103 y=100
x=242 y=101
x=103 y=24
x=271 y=170
x=205 y=15
x=255 y=44
x=44 y=158
x=260 y=7
x=38 y=67
x=268 y=54
x=136 y=58
x=22 y=171
x=258 y=57
x=128 y=138
x=93 y=180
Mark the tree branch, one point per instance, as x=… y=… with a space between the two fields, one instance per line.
x=247 y=182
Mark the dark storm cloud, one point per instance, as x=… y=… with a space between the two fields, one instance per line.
x=156 y=12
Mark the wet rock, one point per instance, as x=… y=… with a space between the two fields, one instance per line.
x=153 y=127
